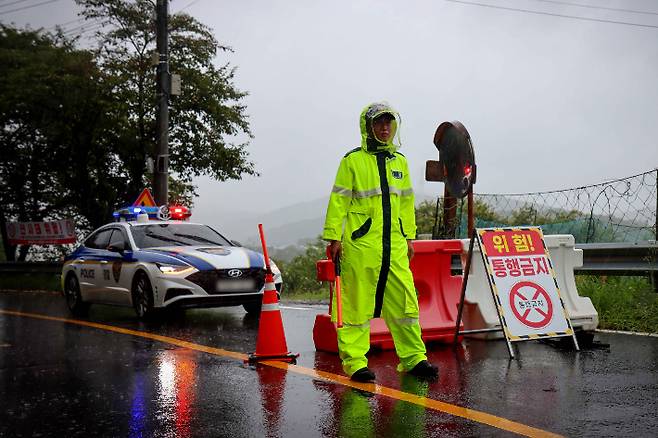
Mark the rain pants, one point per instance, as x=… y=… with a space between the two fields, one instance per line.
x=372 y=201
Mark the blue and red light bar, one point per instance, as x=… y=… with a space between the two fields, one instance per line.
x=130 y=213
x=179 y=212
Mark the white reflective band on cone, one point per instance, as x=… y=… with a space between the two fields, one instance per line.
x=269 y=286
x=269 y=307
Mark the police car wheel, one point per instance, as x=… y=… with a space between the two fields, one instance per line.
x=73 y=297
x=142 y=296
x=252 y=308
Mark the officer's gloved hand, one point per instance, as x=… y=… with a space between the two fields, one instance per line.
x=410 y=249
x=335 y=249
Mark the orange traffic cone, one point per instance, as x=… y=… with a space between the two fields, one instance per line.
x=271 y=343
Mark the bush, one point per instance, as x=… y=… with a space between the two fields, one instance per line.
x=623 y=303
x=299 y=275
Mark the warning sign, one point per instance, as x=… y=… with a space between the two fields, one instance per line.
x=145 y=199
x=41 y=233
x=523 y=283
x=535 y=312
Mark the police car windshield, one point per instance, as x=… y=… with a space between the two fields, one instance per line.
x=152 y=236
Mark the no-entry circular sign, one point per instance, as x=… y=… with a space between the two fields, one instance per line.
x=531 y=304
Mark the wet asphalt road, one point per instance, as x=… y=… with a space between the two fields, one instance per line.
x=62 y=379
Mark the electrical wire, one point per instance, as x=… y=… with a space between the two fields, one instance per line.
x=86 y=28
x=580 y=5
x=187 y=6
x=528 y=11
x=93 y=29
x=28 y=7
x=13 y=3
x=81 y=27
x=62 y=25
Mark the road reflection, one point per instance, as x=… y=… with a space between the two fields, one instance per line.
x=272 y=383
x=175 y=394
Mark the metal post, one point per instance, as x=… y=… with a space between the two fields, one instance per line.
x=449 y=215
x=471 y=214
x=654 y=274
x=161 y=168
x=465 y=273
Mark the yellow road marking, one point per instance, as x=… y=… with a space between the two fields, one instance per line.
x=448 y=408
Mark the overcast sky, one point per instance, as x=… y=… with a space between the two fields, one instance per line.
x=550 y=102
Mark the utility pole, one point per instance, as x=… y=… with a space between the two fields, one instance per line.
x=161 y=167
x=654 y=275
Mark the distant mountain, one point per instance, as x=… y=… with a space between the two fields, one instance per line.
x=294 y=233
x=291 y=225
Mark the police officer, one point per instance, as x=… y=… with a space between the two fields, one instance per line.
x=373 y=197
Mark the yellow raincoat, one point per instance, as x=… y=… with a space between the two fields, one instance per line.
x=373 y=200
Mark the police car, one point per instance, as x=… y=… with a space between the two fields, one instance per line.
x=154 y=264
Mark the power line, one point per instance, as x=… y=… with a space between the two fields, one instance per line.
x=84 y=28
x=62 y=25
x=580 y=5
x=27 y=7
x=187 y=6
x=575 y=17
x=13 y=3
x=92 y=29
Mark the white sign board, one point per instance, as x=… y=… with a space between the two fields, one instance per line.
x=523 y=283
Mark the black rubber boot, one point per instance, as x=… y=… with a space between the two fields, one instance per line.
x=363 y=375
x=424 y=369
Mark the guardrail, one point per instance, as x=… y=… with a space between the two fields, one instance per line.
x=619 y=258
x=31 y=267
x=639 y=258
x=624 y=259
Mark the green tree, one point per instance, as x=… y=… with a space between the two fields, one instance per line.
x=485 y=212
x=426 y=213
x=425 y=217
x=529 y=215
x=299 y=274
x=78 y=125
x=207 y=112
x=51 y=106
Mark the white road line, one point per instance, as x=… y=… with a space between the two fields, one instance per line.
x=621 y=332
x=296 y=308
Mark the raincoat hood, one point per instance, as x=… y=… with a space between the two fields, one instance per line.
x=370 y=143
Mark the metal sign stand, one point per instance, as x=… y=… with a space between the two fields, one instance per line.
x=467 y=270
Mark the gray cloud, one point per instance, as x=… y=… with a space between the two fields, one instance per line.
x=550 y=102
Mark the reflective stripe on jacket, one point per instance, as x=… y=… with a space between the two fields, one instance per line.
x=372 y=200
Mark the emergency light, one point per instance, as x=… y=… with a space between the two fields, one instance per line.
x=179 y=212
x=131 y=213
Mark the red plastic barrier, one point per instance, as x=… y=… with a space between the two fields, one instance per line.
x=438 y=298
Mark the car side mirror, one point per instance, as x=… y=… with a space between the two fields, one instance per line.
x=119 y=247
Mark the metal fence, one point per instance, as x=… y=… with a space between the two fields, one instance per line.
x=621 y=210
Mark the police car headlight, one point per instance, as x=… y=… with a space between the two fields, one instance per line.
x=174 y=269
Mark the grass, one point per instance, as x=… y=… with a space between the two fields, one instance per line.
x=32 y=281
x=320 y=296
x=623 y=303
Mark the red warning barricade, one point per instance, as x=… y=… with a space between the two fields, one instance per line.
x=438 y=299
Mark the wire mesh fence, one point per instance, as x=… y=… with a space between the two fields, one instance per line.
x=621 y=210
